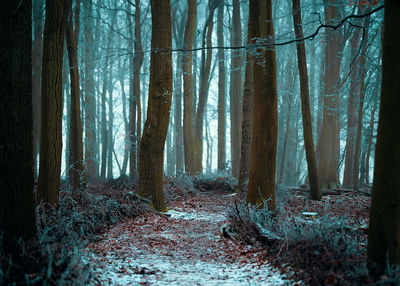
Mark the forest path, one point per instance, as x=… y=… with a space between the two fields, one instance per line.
x=182 y=247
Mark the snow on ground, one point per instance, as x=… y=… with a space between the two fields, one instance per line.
x=180 y=247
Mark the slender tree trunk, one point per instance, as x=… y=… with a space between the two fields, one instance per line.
x=51 y=111
x=104 y=133
x=315 y=192
x=126 y=122
x=110 y=136
x=285 y=140
x=265 y=113
x=17 y=214
x=90 y=100
x=159 y=104
x=188 y=136
x=351 y=109
x=236 y=89
x=221 y=90
x=356 y=175
x=76 y=168
x=203 y=92
x=384 y=226
x=36 y=76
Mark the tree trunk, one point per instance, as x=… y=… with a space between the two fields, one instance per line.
x=247 y=123
x=36 y=76
x=351 y=109
x=188 y=136
x=90 y=99
x=76 y=169
x=110 y=136
x=328 y=160
x=265 y=114
x=17 y=214
x=384 y=226
x=159 y=104
x=236 y=89
x=315 y=192
x=51 y=112
x=221 y=90
x=362 y=72
x=203 y=92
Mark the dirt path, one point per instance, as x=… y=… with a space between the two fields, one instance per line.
x=182 y=247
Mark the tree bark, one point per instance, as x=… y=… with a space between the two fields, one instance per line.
x=362 y=71
x=188 y=135
x=247 y=123
x=221 y=90
x=328 y=159
x=51 y=104
x=75 y=169
x=205 y=70
x=17 y=215
x=159 y=104
x=90 y=99
x=351 y=109
x=315 y=192
x=384 y=226
x=261 y=187
x=236 y=89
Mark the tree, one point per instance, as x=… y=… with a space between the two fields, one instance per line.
x=351 y=109
x=135 y=65
x=315 y=191
x=329 y=137
x=247 y=123
x=236 y=88
x=264 y=137
x=50 y=136
x=384 y=226
x=76 y=169
x=90 y=100
x=151 y=165
x=188 y=136
x=205 y=70
x=17 y=216
x=221 y=90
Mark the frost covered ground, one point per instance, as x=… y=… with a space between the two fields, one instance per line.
x=182 y=247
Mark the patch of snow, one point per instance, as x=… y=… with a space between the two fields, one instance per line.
x=309 y=213
x=198 y=215
x=152 y=269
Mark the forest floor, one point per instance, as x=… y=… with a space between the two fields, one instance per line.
x=184 y=246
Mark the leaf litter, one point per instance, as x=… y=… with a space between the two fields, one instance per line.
x=183 y=246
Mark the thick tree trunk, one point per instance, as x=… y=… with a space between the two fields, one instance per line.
x=188 y=135
x=221 y=90
x=17 y=215
x=51 y=103
x=328 y=159
x=315 y=192
x=384 y=226
x=159 y=104
x=247 y=122
x=261 y=187
x=236 y=89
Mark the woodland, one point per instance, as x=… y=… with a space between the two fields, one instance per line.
x=199 y=142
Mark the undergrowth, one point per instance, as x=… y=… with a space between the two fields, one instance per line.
x=55 y=257
x=325 y=250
